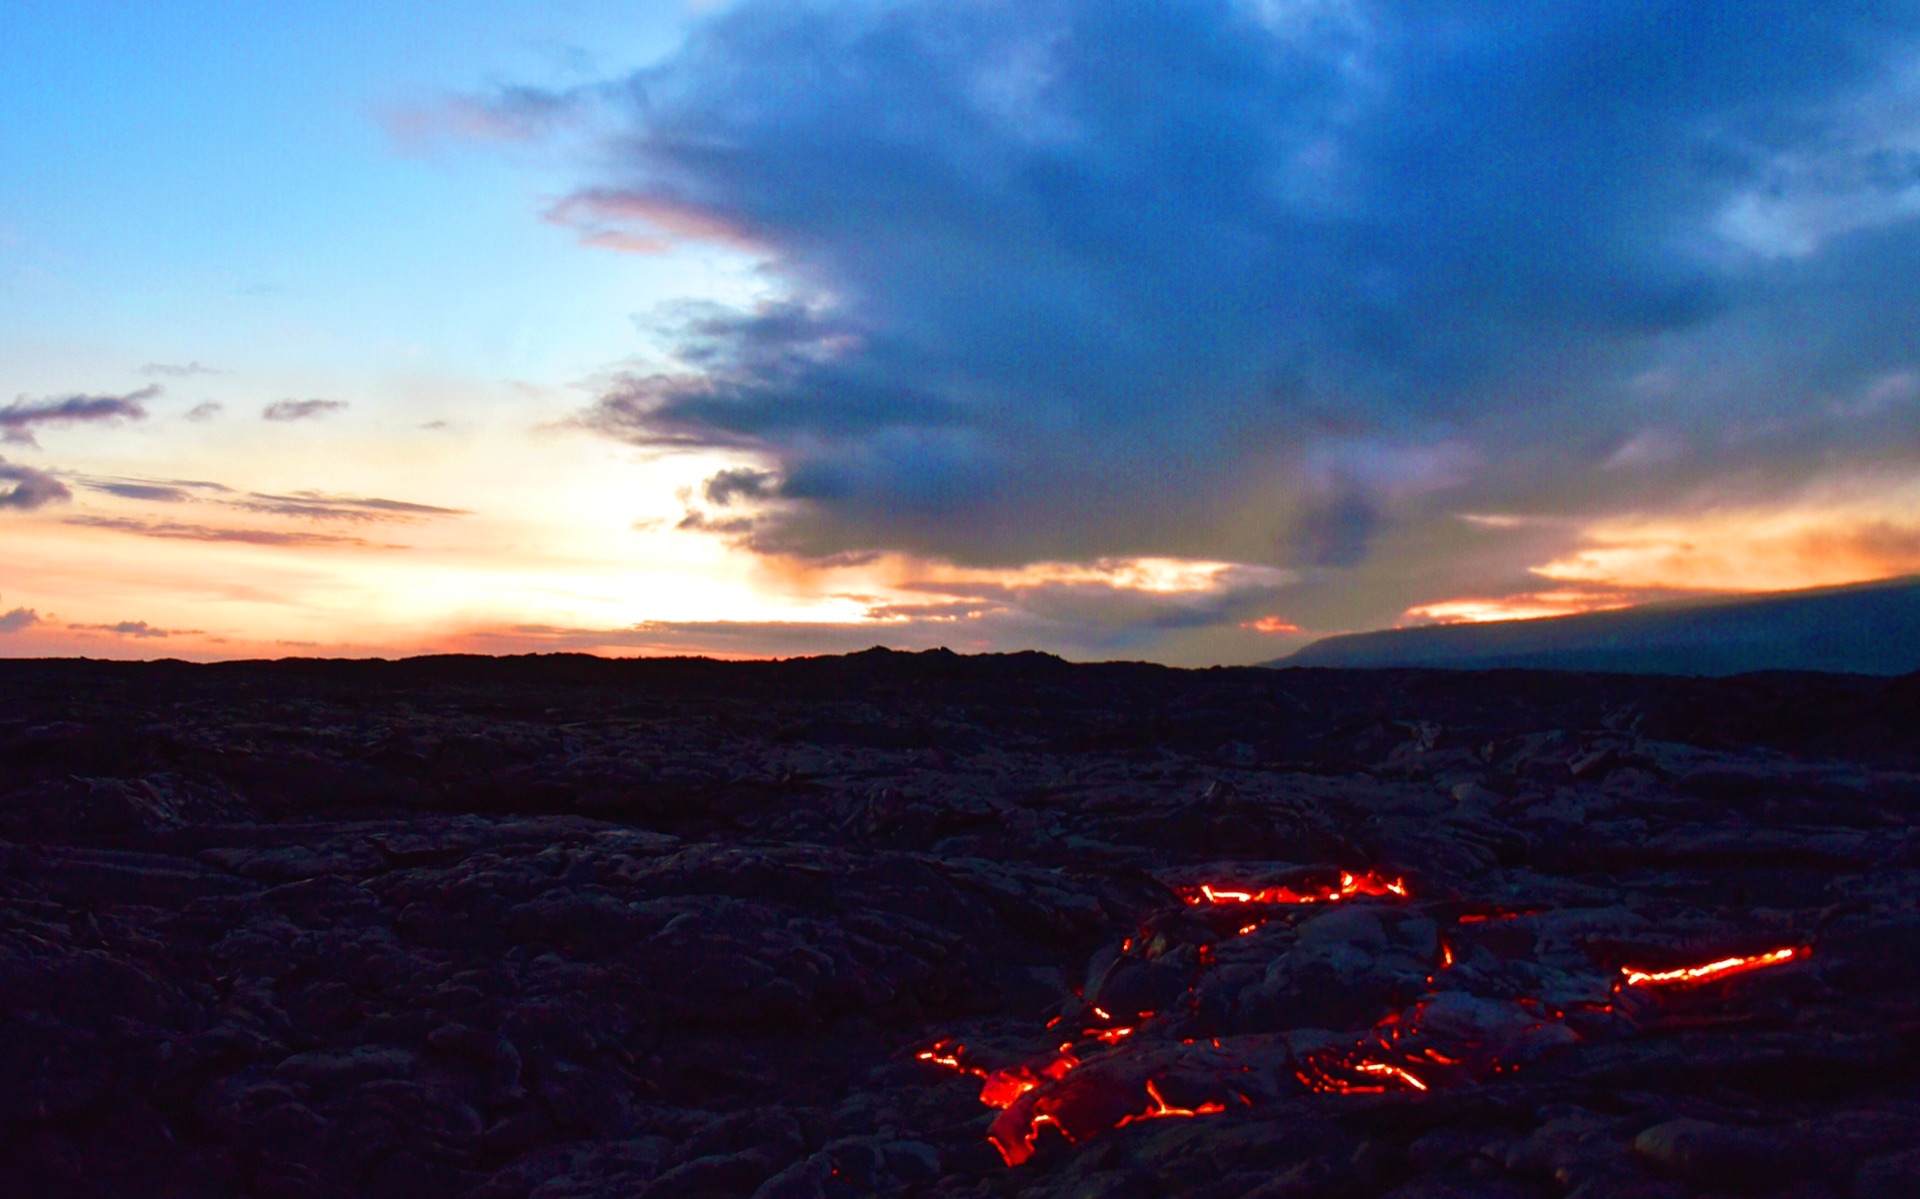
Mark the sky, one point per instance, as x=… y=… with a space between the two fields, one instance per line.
x=1184 y=331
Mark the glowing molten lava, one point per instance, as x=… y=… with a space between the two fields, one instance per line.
x=1161 y=1109
x=1341 y=1074
x=1102 y=1088
x=1002 y=1087
x=1725 y=967
x=947 y=1053
x=1079 y=1114
x=1350 y=885
x=1115 y=1074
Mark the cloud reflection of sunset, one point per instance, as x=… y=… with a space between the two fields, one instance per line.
x=1813 y=545
x=1533 y=605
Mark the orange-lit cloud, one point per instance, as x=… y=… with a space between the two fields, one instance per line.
x=1745 y=550
x=1270 y=624
x=1154 y=576
x=1855 y=531
x=1532 y=605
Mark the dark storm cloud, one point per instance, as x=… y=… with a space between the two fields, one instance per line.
x=1337 y=532
x=18 y=419
x=1075 y=277
x=741 y=483
x=292 y=410
x=26 y=488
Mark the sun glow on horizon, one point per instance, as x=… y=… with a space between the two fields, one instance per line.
x=1533 y=605
x=1867 y=532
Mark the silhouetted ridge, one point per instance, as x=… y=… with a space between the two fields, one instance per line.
x=1871 y=628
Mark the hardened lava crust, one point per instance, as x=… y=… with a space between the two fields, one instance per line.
x=933 y=925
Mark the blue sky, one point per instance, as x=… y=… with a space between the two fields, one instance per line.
x=1185 y=329
x=209 y=179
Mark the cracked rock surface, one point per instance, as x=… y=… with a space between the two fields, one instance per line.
x=562 y=928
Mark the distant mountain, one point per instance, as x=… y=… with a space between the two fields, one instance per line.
x=1868 y=628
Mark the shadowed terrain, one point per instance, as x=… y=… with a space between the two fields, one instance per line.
x=921 y=924
x=1869 y=628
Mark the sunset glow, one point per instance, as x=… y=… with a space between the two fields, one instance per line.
x=1823 y=543
x=1526 y=606
x=427 y=331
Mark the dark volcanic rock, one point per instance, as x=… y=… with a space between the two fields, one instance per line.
x=571 y=928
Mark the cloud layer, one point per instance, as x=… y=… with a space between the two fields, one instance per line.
x=1284 y=282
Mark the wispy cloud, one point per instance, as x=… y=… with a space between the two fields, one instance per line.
x=158 y=493
x=205 y=412
x=635 y=224
x=509 y=114
x=138 y=629
x=299 y=505
x=169 y=370
x=162 y=491
x=316 y=505
x=20 y=418
x=293 y=410
x=183 y=531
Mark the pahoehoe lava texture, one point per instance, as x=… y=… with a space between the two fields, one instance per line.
x=562 y=927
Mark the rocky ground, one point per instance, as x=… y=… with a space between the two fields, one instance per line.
x=563 y=928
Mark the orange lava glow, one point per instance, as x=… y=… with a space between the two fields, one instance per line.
x=1084 y=1104
x=1725 y=967
x=947 y=1053
x=1394 y=1072
x=1013 y=1150
x=1016 y=1133
x=1369 y=883
x=938 y=1058
x=1099 y=1088
x=1004 y=1086
x=1330 y=1075
x=1161 y=1109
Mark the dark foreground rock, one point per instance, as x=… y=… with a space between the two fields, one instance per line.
x=567 y=928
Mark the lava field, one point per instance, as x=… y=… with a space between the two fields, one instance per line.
x=923 y=924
